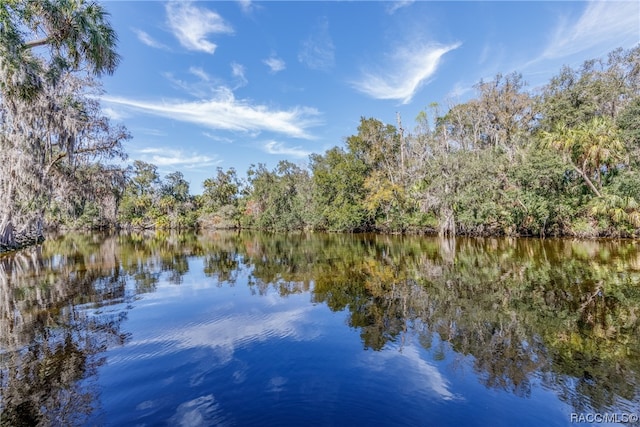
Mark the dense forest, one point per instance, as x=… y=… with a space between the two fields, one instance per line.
x=559 y=160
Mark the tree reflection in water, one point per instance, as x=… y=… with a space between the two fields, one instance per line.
x=566 y=313
x=48 y=344
x=560 y=312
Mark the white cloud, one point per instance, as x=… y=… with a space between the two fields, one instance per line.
x=217 y=138
x=247 y=6
x=238 y=71
x=148 y=40
x=200 y=73
x=199 y=89
x=602 y=24
x=223 y=111
x=275 y=64
x=173 y=158
x=317 y=51
x=394 y=5
x=113 y=114
x=225 y=334
x=410 y=69
x=459 y=90
x=191 y=25
x=274 y=147
x=205 y=86
x=200 y=412
x=424 y=376
x=149 y=131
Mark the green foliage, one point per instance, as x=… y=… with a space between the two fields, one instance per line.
x=278 y=199
x=149 y=202
x=220 y=201
x=139 y=195
x=629 y=124
x=600 y=88
x=54 y=134
x=539 y=195
x=625 y=183
x=492 y=164
x=339 y=192
x=559 y=161
x=221 y=190
x=386 y=203
x=594 y=149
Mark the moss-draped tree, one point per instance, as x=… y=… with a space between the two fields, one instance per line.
x=50 y=122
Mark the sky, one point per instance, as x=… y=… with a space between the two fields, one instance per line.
x=224 y=84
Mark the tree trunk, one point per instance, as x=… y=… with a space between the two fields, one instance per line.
x=7 y=229
x=447 y=222
x=587 y=180
x=32 y=232
x=448 y=249
x=7 y=233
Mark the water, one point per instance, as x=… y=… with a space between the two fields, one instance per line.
x=238 y=329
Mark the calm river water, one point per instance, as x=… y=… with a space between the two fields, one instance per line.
x=248 y=329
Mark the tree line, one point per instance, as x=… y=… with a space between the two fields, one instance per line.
x=561 y=160
x=558 y=160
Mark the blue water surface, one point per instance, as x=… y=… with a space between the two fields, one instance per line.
x=207 y=353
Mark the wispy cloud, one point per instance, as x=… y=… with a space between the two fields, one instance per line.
x=202 y=411
x=394 y=5
x=192 y=25
x=148 y=40
x=205 y=86
x=275 y=64
x=317 y=51
x=238 y=72
x=247 y=6
x=410 y=68
x=200 y=73
x=225 y=112
x=217 y=138
x=149 y=131
x=459 y=90
x=274 y=147
x=113 y=114
x=426 y=376
x=223 y=335
x=169 y=157
x=603 y=23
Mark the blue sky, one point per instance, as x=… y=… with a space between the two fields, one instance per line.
x=229 y=84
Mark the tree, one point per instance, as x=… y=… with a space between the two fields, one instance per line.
x=599 y=88
x=140 y=194
x=379 y=147
x=509 y=112
x=466 y=125
x=591 y=149
x=278 y=199
x=628 y=121
x=435 y=183
x=76 y=34
x=176 y=204
x=50 y=121
x=382 y=150
x=220 y=200
x=221 y=190
x=89 y=198
x=338 y=188
x=176 y=187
